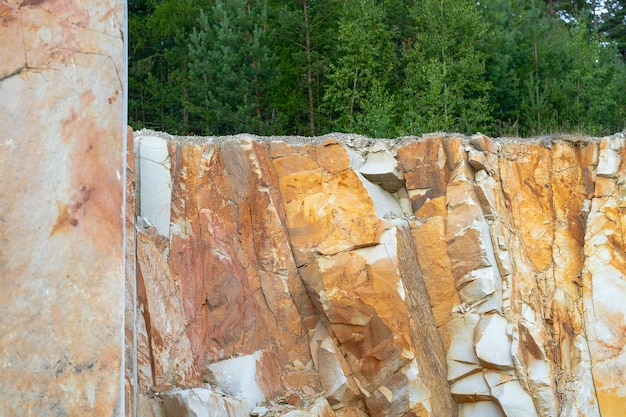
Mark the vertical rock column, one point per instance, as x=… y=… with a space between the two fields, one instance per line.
x=130 y=287
x=61 y=208
x=546 y=188
x=604 y=278
x=216 y=277
x=354 y=251
x=472 y=231
x=573 y=173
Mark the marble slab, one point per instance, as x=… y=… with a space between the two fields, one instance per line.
x=61 y=207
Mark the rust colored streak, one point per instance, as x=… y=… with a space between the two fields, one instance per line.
x=5 y=8
x=7 y=14
x=531 y=345
x=69 y=214
x=113 y=97
x=31 y=3
x=95 y=176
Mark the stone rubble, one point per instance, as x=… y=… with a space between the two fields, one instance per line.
x=433 y=276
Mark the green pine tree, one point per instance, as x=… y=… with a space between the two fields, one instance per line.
x=549 y=70
x=357 y=96
x=304 y=33
x=613 y=24
x=445 y=87
x=158 y=55
x=232 y=71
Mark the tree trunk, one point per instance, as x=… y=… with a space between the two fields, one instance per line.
x=309 y=73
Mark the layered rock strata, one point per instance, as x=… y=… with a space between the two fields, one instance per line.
x=433 y=276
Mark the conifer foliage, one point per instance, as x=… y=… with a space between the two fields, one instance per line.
x=381 y=68
x=446 y=88
x=232 y=68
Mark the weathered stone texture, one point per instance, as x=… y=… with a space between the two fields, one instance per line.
x=130 y=284
x=604 y=278
x=61 y=208
x=438 y=276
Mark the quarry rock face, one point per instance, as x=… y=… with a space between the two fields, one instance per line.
x=345 y=276
x=62 y=178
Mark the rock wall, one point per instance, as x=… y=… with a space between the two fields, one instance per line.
x=62 y=112
x=346 y=276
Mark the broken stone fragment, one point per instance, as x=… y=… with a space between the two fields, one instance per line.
x=334 y=373
x=253 y=378
x=294 y=400
x=155 y=184
x=513 y=399
x=492 y=343
x=333 y=156
x=461 y=357
x=531 y=362
x=480 y=409
x=308 y=390
x=320 y=408
x=485 y=186
x=259 y=411
x=501 y=251
x=201 y=402
x=608 y=163
x=483 y=143
x=478 y=284
x=478 y=161
x=471 y=388
x=383 y=169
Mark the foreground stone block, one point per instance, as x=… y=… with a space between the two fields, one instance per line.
x=61 y=208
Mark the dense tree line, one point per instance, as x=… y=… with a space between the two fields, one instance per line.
x=381 y=68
